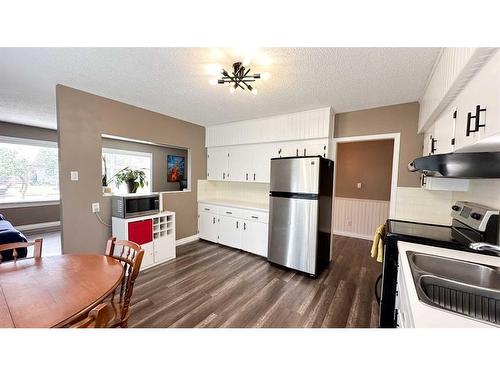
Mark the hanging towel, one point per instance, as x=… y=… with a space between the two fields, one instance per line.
x=378 y=244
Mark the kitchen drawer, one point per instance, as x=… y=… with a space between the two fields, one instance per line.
x=260 y=216
x=231 y=211
x=208 y=208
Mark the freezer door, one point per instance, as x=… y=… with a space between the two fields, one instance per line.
x=293 y=233
x=295 y=175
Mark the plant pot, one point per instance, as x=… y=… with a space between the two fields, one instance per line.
x=131 y=186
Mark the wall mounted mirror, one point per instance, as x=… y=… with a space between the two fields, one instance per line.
x=135 y=166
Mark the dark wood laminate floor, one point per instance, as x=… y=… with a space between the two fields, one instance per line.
x=210 y=285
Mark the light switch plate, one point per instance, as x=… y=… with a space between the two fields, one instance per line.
x=96 y=207
x=74 y=175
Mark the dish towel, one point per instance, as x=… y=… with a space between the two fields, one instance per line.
x=378 y=244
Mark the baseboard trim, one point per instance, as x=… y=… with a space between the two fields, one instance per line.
x=28 y=227
x=354 y=235
x=186 y=240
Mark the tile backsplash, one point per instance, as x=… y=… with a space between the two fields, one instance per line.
x=483 y=191
x=235 y=191
x=429 y=206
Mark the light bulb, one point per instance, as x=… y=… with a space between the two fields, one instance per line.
x=213 y=81
x=265 y=75
x=232 y=90
x=254 y=91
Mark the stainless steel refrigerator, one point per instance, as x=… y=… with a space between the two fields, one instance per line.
x=300 y=211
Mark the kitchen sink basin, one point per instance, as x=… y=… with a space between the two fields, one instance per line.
x=465 y=288
x=466 y=272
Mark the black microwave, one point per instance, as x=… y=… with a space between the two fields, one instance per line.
x=133 y=205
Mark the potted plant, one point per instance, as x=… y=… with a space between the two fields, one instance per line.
x=133 y=178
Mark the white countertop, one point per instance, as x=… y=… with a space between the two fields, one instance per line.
x=237 y=204
x=425 y=316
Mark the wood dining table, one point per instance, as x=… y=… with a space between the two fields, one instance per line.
x=53 y=291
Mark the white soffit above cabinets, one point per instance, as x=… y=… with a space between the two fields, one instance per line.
x=174 y=81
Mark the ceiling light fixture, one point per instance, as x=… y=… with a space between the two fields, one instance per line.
x=240 y=77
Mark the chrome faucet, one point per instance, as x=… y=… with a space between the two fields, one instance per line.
x=485 y=248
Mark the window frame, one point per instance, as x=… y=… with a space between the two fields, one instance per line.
x=118 y=151
x=38 y=143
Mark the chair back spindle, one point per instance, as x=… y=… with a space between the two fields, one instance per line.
x=130 y=255
x=11 y=248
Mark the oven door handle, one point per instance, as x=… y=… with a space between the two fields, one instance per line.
x=377 y=294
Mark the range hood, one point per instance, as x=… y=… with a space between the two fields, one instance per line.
x=459 y=165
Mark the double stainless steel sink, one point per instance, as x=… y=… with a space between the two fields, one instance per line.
x=462 y=287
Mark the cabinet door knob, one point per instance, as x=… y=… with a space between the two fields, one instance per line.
x=244 y=226
x=304 y=152
x=236 y=224
x=254 y=176
x=246 y=176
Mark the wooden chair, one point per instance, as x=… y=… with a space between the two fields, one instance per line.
x=14 y=246
x=130 y=255
x=100 y=316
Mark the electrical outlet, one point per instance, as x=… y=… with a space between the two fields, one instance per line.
x=349 y=223
x=358 y=185
x=74 y=175
x=96 y=207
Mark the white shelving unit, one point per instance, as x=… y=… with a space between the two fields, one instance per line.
x=155 y=233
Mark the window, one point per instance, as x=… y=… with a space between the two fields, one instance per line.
x=114 y=161
x=29 y=170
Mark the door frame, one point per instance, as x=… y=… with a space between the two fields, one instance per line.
x=395 y=161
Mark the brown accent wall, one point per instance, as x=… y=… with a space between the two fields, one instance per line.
x=159 y=163
x=35 y=214
x=82 y=118
x=401 y=118
x=367 y=162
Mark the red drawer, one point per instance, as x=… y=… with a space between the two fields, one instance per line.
x=140 y=232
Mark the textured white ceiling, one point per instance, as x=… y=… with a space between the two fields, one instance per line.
x=174 y=81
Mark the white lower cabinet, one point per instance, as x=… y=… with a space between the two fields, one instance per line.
x=148 y=259
x=207 y=226
x=254 y=237
x=404 y=317
x=239 y=228
x=229 y=229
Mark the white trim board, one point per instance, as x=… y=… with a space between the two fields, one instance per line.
x=352 y=234
x=186 y=240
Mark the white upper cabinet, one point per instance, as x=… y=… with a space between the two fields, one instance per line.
x=242 y=151
x=452 y=71
x=478 y=120
x=239 y=163
x=471 y=120
x=440 y=138
x=261 y=162
x=217 y=163
x=428 y=139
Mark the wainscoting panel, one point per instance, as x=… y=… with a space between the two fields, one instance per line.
x=358 y=217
